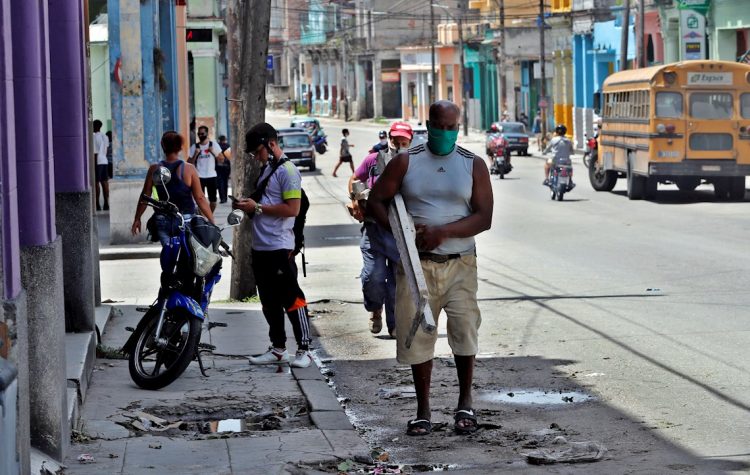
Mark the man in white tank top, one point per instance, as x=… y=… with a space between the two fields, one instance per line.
x=447 y=191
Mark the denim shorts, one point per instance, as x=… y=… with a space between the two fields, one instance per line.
x=168 y=226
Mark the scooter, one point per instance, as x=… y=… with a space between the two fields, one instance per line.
x=560 y=180
x=500 y=155
x=168 y=335
x=320 y=140
x=591 y=151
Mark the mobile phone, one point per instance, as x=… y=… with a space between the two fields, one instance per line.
x=232 y=198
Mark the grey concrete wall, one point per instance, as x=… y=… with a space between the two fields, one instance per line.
x=16 y=316
x=123 y=194
x=42 y=277
x=73 y=215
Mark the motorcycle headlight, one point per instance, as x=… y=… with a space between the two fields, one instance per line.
x=204 y=258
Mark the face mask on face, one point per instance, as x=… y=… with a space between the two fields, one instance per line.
x=383 y=142
x=202 y=137
x=440 y=141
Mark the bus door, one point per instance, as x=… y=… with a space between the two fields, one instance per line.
x=671 y=126
x=711 y=125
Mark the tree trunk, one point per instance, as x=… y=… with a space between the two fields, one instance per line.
x=248 y=24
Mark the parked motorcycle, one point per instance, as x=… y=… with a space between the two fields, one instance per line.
x=591 y=151
x=499 y=153
x=168 y=336
x=560 y=180
x=320 y=140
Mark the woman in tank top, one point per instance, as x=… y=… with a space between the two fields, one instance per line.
x=183 y=190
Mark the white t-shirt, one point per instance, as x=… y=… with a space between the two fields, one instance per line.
x=205 y=163
x=101 y=142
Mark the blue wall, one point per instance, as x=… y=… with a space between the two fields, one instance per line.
x=592 y=56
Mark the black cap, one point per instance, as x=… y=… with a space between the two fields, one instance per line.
x=259 y=134
x=383 y=134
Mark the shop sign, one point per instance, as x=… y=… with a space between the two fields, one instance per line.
x=692 y=34
x=390 y=76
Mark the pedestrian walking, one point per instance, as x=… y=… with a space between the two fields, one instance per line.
x=102 y=169
x=537 y=130
x=448 y=193
x=110 y=164
x=223 y=168
x=274 y=206
x=379 y=251
x=345 y=155
x=524 y=119
x=204 y=155
x=183 y=190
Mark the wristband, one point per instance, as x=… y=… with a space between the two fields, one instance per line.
x=258 y=209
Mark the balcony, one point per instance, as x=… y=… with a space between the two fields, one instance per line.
x=561 y=6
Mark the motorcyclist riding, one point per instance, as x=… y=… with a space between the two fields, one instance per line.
x=562 y=148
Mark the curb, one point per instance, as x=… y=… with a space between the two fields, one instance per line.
x=325 y=410
x=115 y=254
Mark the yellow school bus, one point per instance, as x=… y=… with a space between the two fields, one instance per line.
x=682 y=123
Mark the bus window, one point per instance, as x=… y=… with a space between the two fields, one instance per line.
x=669 y=105
x=711 y=105
x=745 y=106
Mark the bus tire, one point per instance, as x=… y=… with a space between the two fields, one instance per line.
x=636 y=183
x=737 y=188
x=602 y=180
x=687 y=183
x=649 y=191
x=721 y=188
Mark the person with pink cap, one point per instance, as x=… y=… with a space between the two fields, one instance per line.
x=379 y=252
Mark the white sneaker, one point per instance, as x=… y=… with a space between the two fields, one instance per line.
x=272 y=356
x=303 y=359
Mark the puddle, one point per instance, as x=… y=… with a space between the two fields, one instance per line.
x=533 y=397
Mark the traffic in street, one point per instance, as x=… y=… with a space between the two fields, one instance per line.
x=632 y=312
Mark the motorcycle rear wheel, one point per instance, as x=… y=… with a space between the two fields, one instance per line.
x=152 y=367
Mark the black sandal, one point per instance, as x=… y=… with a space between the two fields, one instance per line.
x=413 y=426
x=465 y=415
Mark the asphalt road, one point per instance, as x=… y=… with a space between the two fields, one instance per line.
x=641 y=305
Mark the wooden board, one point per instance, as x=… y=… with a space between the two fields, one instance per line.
x=405 y=233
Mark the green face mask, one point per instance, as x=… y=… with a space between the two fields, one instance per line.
x=440 y=141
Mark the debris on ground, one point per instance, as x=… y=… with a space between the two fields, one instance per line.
x=567 y=452
x=155 y=445
x=86 y=458
x=396 y=393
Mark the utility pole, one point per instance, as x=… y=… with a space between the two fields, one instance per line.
x=464 y=90
x=432 y=51
x=248 y=25
x=642 y=34
x=543 y=70
x=624 y=37
x=501 y=61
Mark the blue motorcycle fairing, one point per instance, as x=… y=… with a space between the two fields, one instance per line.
x=178 y=300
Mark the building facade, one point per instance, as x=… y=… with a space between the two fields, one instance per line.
x=47 y=243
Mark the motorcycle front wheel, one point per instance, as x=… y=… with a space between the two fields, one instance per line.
x=155 y=366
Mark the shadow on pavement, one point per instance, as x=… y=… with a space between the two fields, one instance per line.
x=381 y=401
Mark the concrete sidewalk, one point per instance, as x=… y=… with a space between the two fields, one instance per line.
x=242 y=419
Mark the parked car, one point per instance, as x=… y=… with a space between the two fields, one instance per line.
x=298 y=147
x=419 y=135
x=514 y=134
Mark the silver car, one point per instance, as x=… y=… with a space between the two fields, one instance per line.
x=298 y=147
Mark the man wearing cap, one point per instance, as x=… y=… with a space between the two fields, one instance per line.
x=273 y=207
x=383 y=144
x=379 y=251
